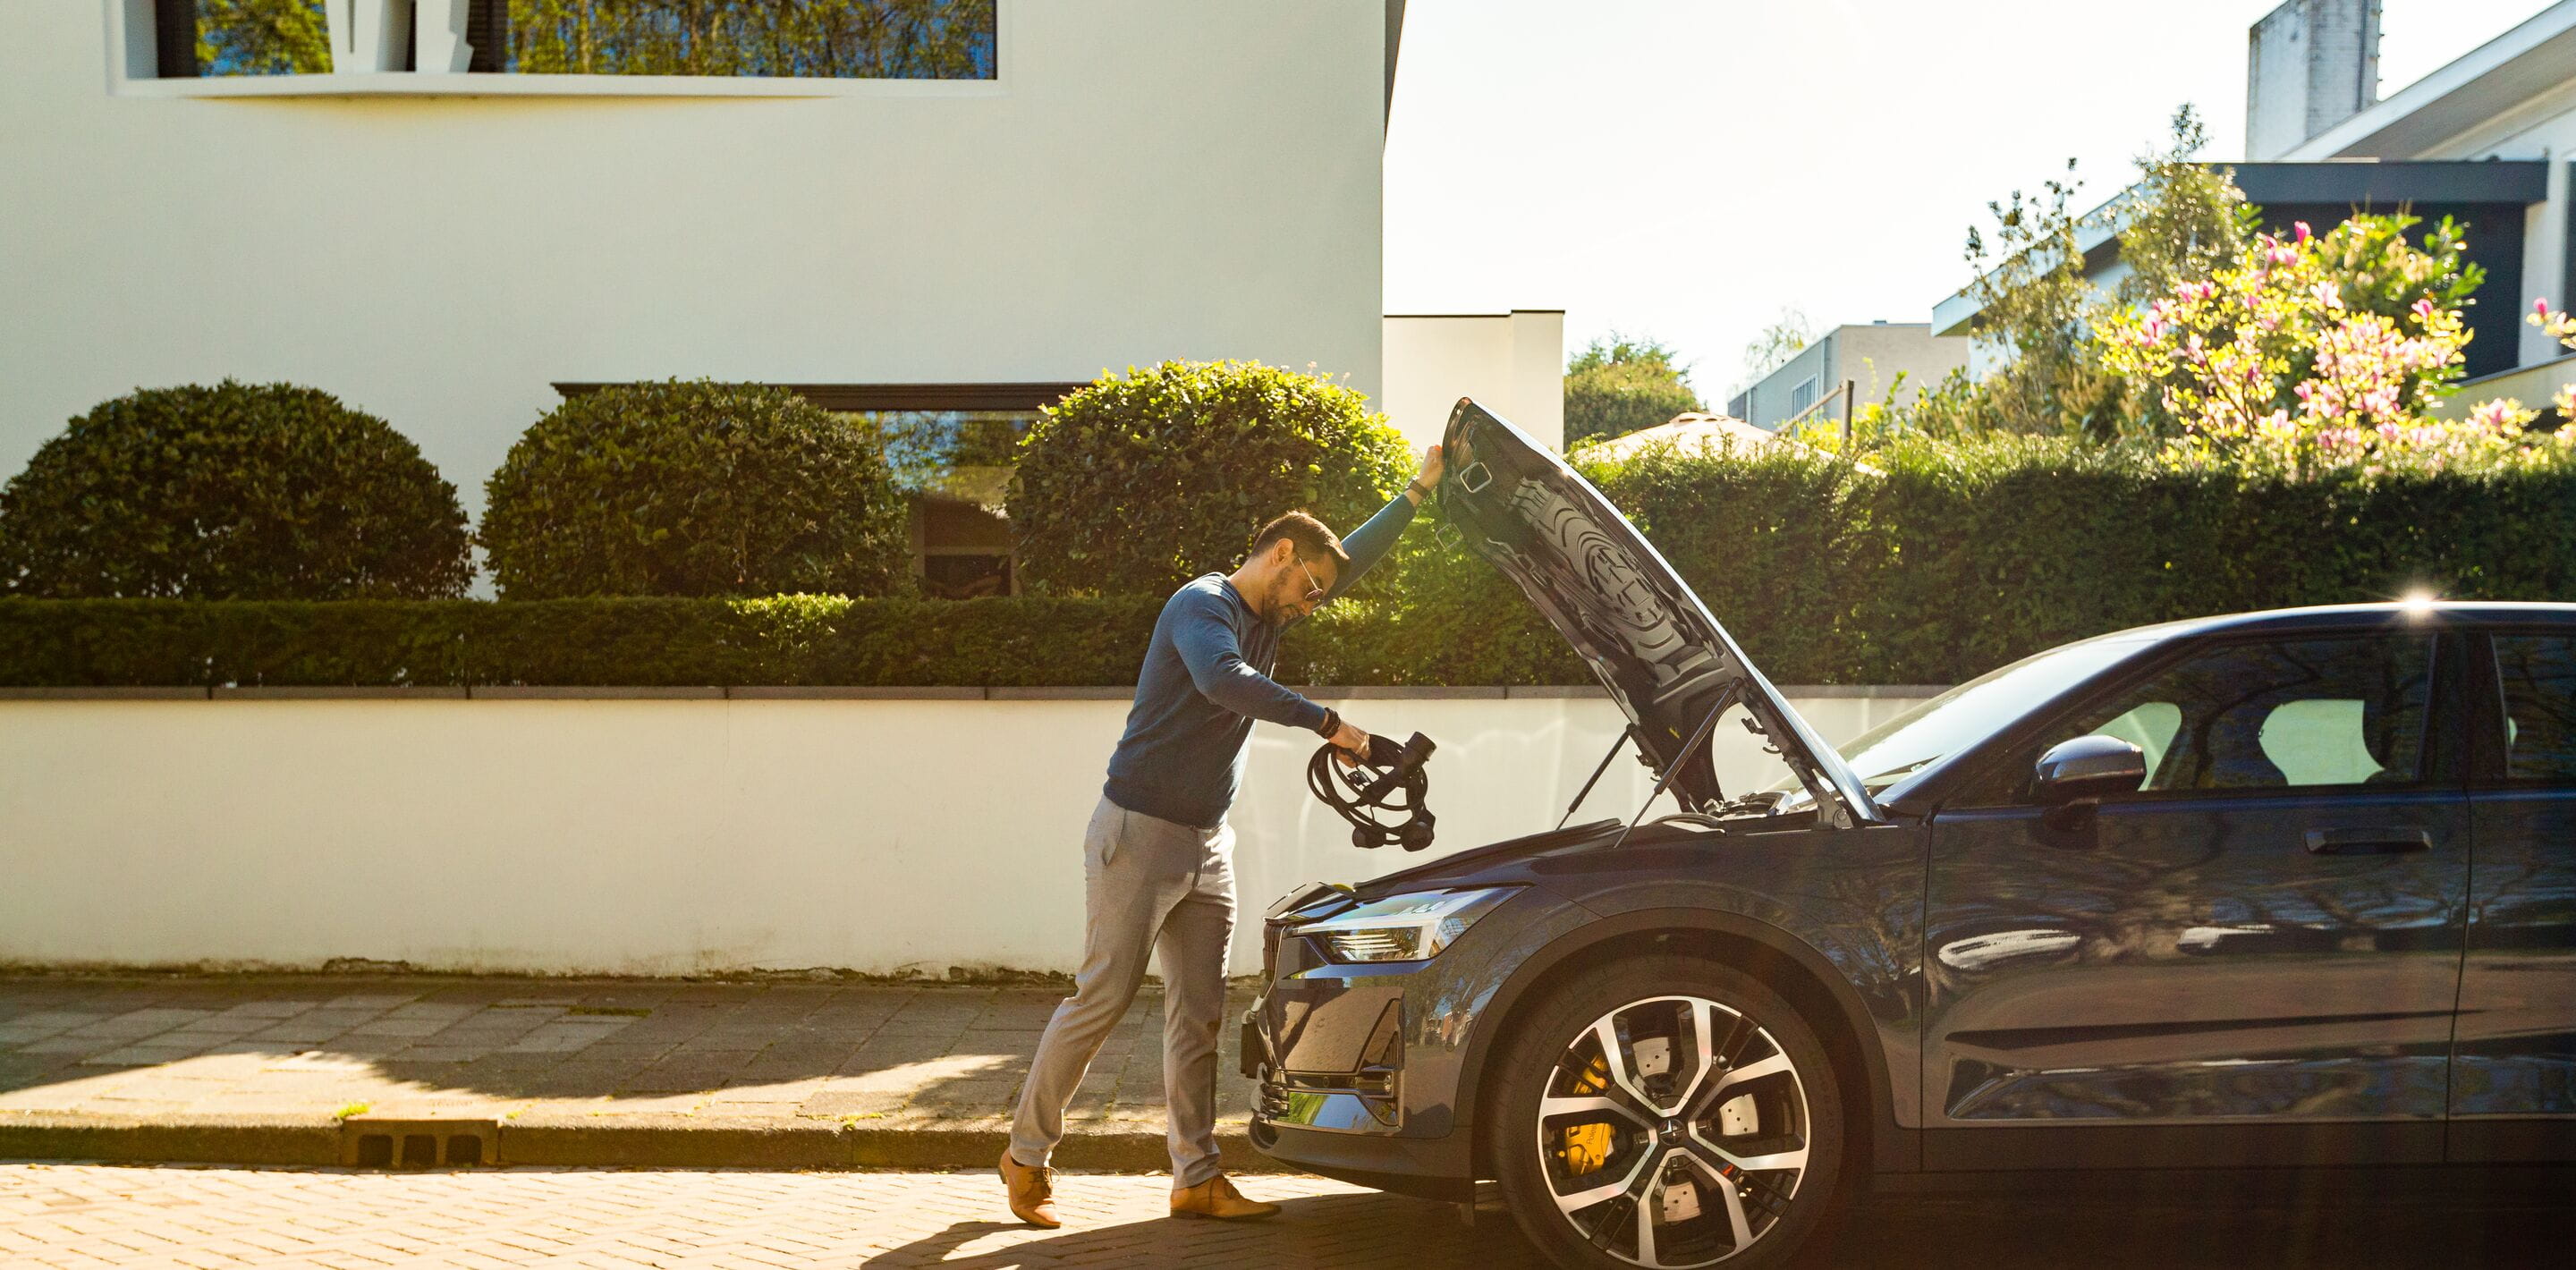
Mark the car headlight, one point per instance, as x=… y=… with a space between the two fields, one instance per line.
x=1413 y=926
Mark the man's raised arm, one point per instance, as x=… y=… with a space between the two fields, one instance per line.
x=1204 y=637
x=1369 y=543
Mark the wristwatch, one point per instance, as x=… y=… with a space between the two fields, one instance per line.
x=1417 y=486
x=1332 y=724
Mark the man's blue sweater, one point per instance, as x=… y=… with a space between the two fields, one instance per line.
x=1206 y=678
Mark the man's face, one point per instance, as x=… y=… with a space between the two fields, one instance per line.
x=1299 y=579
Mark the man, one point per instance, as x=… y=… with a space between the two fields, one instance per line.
x=1158 y=859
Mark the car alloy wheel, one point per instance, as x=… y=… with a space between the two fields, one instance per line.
x=1677 y=1123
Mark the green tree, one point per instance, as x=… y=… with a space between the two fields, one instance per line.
x=234 y=492
x=2034 y=303
x=2038 y=309
x=875 y=39
x=1786 y=337
x=694 y=488
x=2183 y=219
x=1618 y=385
x=1139 y=482
x=262 y=37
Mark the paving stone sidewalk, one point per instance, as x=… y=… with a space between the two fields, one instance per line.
x=268 y=1069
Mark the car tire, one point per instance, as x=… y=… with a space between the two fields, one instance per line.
x=1580 y=1148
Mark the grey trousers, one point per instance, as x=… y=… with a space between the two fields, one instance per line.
x=1148 y=885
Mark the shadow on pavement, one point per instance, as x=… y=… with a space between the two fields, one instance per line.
x=1331 y=1230
x=2344 y=1232
x=2026 y=1232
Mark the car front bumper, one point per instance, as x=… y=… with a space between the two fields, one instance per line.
x=1329 y=1045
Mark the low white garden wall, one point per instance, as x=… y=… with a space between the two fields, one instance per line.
x=619 y=832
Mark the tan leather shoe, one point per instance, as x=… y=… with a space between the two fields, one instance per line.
x=1217 y=1198
x=1032 y=1192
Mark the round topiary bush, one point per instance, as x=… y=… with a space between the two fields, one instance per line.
x=235 y=492
x=1137 y=484
x=694 y=488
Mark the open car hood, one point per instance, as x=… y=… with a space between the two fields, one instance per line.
x=1666 y=662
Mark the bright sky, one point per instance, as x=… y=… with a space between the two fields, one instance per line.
x=1683 y=169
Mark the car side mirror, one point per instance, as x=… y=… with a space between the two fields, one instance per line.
x=2088 y=768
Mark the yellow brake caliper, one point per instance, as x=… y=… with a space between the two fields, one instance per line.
x=1586 y=1147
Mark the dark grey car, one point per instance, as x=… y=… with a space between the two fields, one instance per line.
x=2293 y=888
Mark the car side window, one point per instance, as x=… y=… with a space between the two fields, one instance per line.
x=2282 y=714
x=2538 y=676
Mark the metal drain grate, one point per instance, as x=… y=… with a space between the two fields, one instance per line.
x=373 y=1142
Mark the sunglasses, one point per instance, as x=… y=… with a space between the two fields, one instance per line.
x=1314 y=593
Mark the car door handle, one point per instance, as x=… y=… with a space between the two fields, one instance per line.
x=2369 y=841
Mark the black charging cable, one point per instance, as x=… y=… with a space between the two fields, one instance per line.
x=1389 y=781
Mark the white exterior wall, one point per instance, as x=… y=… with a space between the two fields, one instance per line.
x=1511 y=363
x=677 y=836
x=1146 y=179
x=1873 y=355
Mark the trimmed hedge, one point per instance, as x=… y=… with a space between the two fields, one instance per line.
x=788 y=640
x=1950 y=560
x=795 y=639
x=693 y=488
x=235 y=491
x=1941 y=566
x=1138 y=483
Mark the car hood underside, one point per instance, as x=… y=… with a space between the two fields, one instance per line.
x=1648 y=637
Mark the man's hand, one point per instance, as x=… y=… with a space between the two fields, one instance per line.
x=1350 y=745
x=1427 y=477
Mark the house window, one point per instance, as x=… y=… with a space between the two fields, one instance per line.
x=1802 y=396
x=242 y=37
x=955 y=468
x=795 y=39
x=785 y=39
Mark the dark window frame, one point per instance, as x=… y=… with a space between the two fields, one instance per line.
x=2487 y=760
x=174 y=38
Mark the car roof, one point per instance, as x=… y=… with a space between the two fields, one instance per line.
x=2332 y=616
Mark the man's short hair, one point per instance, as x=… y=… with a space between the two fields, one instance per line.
x=1312 y=539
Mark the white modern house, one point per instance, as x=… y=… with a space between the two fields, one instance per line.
x=2487 y=139
x=451 y=212
x=1877 y=359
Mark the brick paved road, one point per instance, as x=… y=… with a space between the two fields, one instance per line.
x=73 y=1215
x=90 y=1216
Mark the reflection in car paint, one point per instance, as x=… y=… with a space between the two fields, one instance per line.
x=1985 y=950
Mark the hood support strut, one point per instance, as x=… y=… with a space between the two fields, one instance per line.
x=1626 y=735
x=1725 y=699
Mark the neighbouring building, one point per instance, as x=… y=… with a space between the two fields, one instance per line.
x=1879 y=359
x=2487 y=139
x=939 y=213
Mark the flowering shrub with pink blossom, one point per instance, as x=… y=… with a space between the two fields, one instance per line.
x=2561 y=327
x=2269 y=364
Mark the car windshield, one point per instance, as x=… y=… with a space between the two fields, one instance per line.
x=1967 y=714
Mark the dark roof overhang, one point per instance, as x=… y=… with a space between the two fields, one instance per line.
x=2390 y=184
